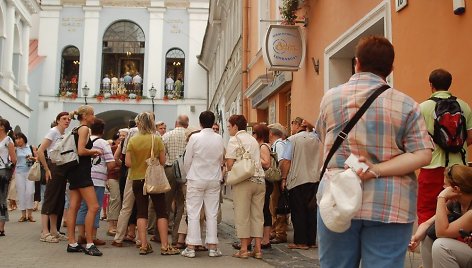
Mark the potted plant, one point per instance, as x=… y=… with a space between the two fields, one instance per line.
x=288 y=10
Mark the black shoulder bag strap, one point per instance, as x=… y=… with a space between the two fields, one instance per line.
x=343 y=134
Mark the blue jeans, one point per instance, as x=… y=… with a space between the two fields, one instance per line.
x=100 y=191
x=377 y=244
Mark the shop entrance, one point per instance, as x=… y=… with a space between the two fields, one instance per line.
x=339 y=56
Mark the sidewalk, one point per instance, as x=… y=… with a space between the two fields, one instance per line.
x=21 y=248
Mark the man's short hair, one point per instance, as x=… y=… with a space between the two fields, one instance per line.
x=440 y=79
x=207 y=118
x=182 y=120
x=376 y=55
x=97 y=127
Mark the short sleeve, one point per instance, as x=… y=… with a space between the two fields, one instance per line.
x=231 y=149
x=130 y=146
x=416 y=136
x=287 y=154
x=159 y=143
x=107 y=153
x=468 y=115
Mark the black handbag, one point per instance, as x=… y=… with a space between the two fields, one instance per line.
x=7 y=172
x=455 y=213
x=283 y=206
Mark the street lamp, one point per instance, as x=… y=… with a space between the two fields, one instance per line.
x=152 y=94
x=85 y=91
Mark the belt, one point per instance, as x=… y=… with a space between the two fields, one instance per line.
x=166 y=166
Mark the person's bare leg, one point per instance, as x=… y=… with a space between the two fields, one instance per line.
x=74 y=201
x=90 y=197
x=163 y=227
x=142 y=231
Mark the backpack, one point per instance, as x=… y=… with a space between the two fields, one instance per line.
x=65 y=150
x=450 y=131
x=273 y=174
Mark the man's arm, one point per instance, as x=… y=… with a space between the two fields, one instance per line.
x=469 y=137
x=284 y=169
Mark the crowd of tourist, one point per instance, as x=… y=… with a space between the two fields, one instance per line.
x=289 y=177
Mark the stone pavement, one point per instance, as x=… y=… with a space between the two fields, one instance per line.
x=21 y=248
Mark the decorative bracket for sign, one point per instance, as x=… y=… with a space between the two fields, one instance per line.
x=304 y=21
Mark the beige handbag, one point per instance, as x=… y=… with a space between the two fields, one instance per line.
x=243 y=168
x=34 y=174
x=155 y=180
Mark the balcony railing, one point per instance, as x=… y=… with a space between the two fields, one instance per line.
x=117 y=91
x=175 y=92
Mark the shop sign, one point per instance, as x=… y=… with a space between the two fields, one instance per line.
x=264 y=93
x=284 y=48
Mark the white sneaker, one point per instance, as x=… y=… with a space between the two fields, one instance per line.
x=214 y=253
x=189 y=253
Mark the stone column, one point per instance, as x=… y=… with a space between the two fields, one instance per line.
x=23 y=90
x=7 y=61
x=48 y=47
x=89 y=69
x=195 y=74
x=153 y=70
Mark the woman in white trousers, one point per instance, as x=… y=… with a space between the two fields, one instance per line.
x=24 y=187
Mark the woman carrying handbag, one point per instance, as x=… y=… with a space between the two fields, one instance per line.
x=137 y=154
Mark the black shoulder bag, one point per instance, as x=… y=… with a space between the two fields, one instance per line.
x=343 y=134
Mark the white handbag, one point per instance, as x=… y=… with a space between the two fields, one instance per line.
x=34 y=174
x=155 y=180
x=243 y=168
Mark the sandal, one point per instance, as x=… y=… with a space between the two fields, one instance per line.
x=30 y=219
x=22 y=219
x=257 y=255
x=298 y=246
x=145 y=250
x=2 y=233
x=129 y=238
x=169 y=251
x=241 y=254
x=180 y=245
x=48 y=238
x=200 y=248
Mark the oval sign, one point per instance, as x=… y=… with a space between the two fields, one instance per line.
x=284 y=48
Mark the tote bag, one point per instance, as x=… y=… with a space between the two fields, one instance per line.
x=34 y=174
x=155 y=180
x=243 y=168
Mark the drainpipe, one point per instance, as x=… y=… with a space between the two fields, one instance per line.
x=245 y=78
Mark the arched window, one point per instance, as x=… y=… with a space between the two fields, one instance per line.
x=70 y=66
x=175 y=74
x=123 y=59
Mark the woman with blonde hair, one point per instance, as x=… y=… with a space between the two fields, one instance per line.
x=81 y=184
x=138 y=150
x=440 y=236
x=7 y=161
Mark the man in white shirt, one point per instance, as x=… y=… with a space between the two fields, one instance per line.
x=204 y=175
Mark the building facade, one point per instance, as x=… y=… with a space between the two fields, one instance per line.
x=16 y=20
x=221 y=57
x=426 y=35
x=111 y=53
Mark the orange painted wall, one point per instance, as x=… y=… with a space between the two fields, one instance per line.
x=427 y=35
x=327 y=21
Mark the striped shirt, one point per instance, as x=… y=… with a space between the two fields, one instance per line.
x=174 y=142
x=99 y=164
x=392 y=125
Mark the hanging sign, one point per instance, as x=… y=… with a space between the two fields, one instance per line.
x=284 y=48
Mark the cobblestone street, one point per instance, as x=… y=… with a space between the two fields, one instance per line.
x=22 y=247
